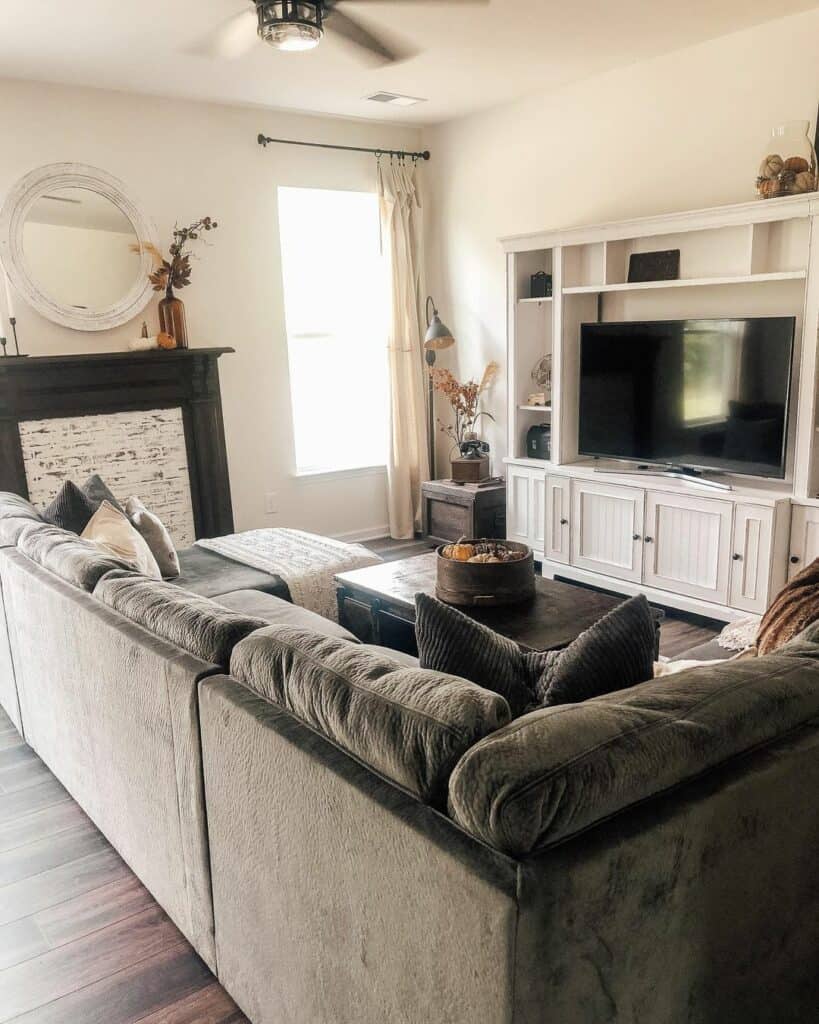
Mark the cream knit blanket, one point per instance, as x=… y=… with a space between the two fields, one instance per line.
x=306 y=562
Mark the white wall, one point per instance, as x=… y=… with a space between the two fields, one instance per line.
x=680 y=132
x=182 y=161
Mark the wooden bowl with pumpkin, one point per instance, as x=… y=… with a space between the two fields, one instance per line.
x=484 y=572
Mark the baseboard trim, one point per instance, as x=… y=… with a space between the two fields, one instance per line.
x=369 y=533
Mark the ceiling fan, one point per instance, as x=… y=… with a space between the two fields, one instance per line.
x=299 y=25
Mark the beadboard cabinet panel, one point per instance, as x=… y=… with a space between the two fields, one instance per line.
x=607 y=528
x=558 y=521
x=751 y=557
x=686 y=545
x=804 y=538
x=518 y=489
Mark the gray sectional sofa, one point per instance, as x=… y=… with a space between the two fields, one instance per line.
x=347 y=838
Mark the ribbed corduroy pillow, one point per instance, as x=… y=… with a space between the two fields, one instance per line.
x=614 y=653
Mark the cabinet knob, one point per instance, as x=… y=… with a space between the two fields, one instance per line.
x=636 y=536
x=794 y=559
x=649 y=540
x=737 y=557
x=564 y=522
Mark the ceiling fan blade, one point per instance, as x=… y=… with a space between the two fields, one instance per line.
x=233 y=38
x=353 y=32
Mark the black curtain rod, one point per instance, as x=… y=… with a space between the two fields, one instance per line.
x=263 y=140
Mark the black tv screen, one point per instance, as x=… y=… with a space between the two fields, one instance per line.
x=711 y=394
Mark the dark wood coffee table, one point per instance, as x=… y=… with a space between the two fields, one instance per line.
x=377 y=604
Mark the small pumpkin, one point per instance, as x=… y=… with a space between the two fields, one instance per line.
x=797 y=164
x=484 y=558
x=459 y=552
x=164 y=340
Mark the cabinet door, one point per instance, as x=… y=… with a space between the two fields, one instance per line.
x=751 y=557
x=537 y=512
x=804 y=538
x=607 y=528
x=687 y=545
x=518 y=504
x=558 y=508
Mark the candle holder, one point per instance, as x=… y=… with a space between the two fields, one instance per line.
x=3 y=343
x=13 y=322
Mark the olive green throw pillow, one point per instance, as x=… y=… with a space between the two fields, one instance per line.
x=613 y=654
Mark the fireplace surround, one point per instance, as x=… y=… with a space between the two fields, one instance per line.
x=53 y=413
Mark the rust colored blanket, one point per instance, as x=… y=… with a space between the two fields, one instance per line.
x=794 y=607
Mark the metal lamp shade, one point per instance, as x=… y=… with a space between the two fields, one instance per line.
x=438 y=335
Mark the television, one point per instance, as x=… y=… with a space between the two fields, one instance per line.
x=690 y=394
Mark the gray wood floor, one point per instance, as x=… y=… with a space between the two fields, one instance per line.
x=81 y=940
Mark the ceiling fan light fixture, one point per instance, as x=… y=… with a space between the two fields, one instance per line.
x=293 y=25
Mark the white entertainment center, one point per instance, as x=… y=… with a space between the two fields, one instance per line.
x=723 y=554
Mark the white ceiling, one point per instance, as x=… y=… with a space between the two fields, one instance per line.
x=469 y=57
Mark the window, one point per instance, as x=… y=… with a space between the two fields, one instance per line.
x=336 y=295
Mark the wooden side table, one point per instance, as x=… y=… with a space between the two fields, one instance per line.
x=451 y=511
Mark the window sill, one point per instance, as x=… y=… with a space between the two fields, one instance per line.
x=317 y=475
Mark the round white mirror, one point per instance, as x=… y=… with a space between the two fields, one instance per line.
x=70 y=242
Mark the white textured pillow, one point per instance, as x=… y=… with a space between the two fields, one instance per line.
x=156 y=536
x=110 y=530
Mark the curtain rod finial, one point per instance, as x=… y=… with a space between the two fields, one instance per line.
x=262 y=140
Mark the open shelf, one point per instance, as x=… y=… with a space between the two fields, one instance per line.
x=694 y=282
x=545 y=298
x=535 y=408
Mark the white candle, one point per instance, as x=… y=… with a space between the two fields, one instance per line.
x=9 y=303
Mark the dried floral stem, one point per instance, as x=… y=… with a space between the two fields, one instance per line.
x=464 y=399
x=174 y=272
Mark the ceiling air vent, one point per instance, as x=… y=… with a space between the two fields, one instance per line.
x=395 y=99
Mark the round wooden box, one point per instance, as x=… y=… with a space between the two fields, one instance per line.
x=468 y=584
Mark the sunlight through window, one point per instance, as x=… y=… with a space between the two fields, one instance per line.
x=336 y=306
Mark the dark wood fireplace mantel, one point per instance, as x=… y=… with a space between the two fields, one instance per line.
x=49 y=387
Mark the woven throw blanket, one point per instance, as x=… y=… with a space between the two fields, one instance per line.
x=739 y=634
x=306 y=562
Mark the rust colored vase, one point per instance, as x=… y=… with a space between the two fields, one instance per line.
x=172 y=318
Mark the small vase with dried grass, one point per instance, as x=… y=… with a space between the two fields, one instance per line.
x=174 y=272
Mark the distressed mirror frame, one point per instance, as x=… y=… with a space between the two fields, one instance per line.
x=19 y=201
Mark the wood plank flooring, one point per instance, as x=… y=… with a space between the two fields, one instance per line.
x=81 y=940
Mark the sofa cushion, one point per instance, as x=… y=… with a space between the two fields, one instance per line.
x=12 y=506
x=111 y=531
x=450 y=641
x=156 y=536
x=97 y=491
x=196 y=624
x=79 y=562
x=15 y=514
x=71 y=509
x=559 y=770
x=410 y=725
x=208 y=574
x=276 y=611
x=616 y=652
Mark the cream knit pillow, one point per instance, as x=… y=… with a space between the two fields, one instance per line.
x=110 y=530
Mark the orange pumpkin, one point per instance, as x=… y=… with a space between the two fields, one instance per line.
x=165 y=340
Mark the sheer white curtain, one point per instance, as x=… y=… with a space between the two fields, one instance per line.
x=407 y=461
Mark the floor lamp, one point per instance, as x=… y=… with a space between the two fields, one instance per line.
x=438 y=337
